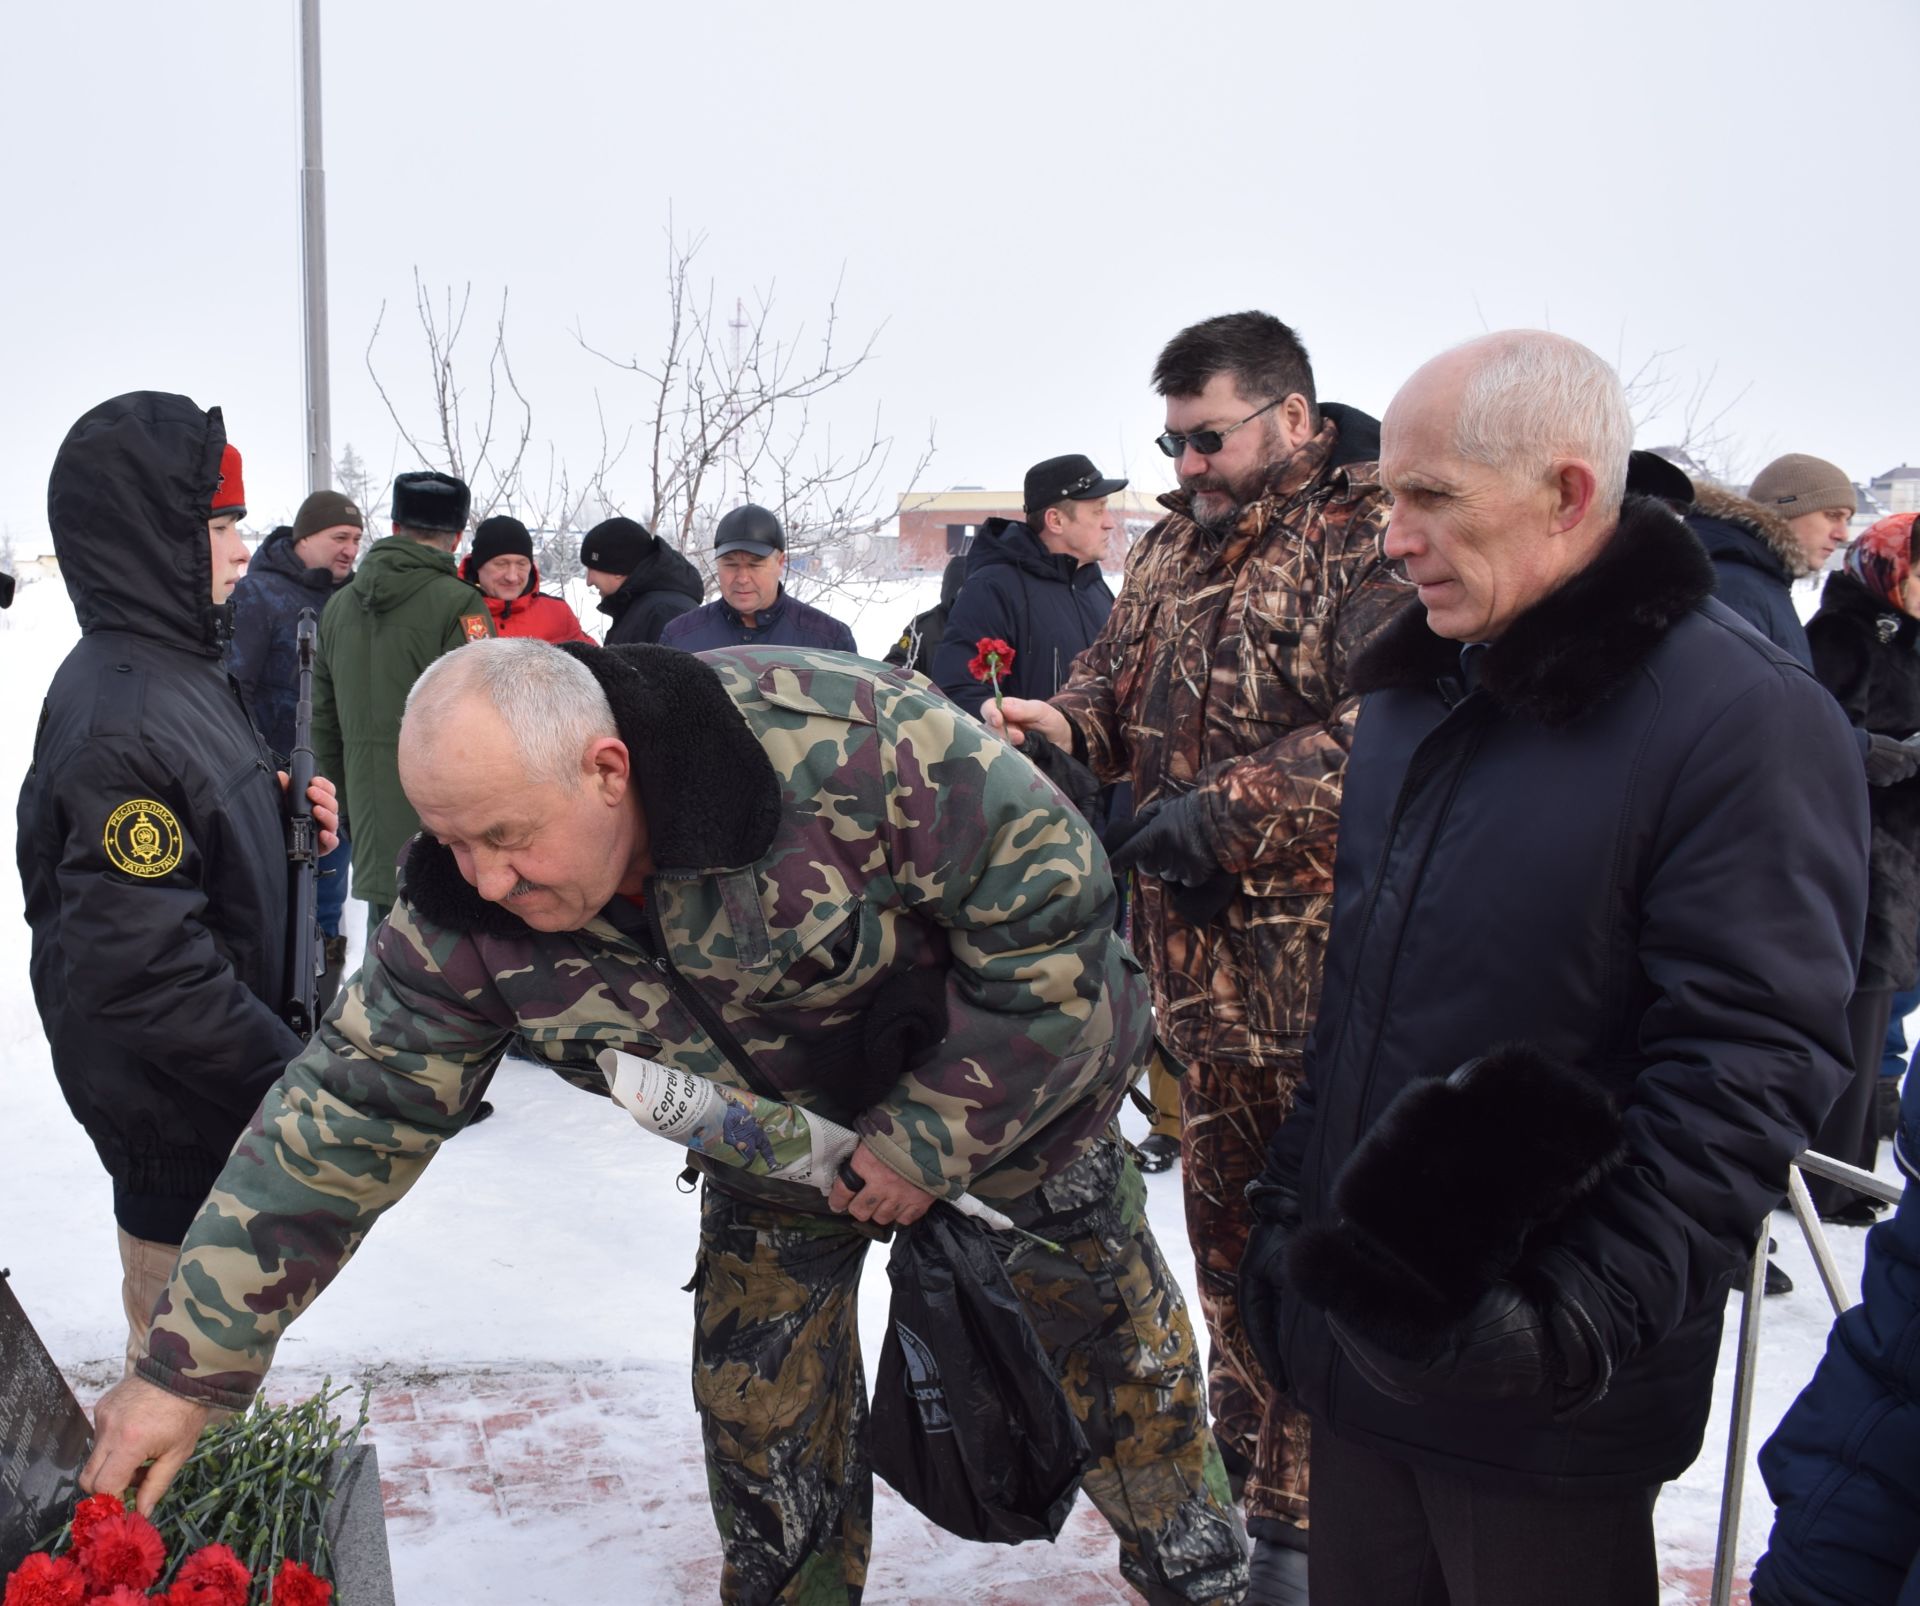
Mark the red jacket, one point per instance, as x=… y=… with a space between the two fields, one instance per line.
x=532 y=613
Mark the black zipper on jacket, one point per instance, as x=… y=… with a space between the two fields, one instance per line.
x=703 y=1013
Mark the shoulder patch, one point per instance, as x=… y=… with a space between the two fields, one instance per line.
x=142 y=838
x=475 y=626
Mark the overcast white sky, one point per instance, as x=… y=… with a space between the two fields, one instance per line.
x=1032 y=197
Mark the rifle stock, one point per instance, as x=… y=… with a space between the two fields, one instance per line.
x=303 y=846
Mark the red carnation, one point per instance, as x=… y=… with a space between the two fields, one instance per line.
x=91 y=1512
x=293 y=1585
x=992 y=659
x=122 y=1550
x=121 y=1595
x=43 y=1580
x=212 y=1576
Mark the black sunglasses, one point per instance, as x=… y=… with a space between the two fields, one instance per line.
x=1206 y=441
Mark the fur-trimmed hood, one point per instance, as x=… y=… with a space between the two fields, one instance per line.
x=1580 y=644
x=709 y=792
x=1726 y=524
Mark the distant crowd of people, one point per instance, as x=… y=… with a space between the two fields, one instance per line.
x=1451 y=811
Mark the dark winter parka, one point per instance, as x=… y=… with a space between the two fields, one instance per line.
x=1843 y=1467
x=151 y=845
x=788 y=623
x=267 y=604
x=1551 y=841
x=1868 y=655
x=1047 y=606
x=1755 y=562
x=663 y=586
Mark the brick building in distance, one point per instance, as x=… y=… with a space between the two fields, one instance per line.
x=935 y=525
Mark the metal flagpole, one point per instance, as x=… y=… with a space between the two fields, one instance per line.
x=313 y=255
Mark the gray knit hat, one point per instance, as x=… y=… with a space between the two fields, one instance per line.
x=1797 y=484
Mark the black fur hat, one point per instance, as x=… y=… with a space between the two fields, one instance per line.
x=1446 y=1194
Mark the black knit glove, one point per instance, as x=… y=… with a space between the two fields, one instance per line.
x=1263 y=1271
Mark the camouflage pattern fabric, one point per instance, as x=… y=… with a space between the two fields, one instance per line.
x=782 y=1399
x=1223 y=670
x=907 y=837
x=1226 y=1113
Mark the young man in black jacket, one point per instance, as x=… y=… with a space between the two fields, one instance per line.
x=1036 y=586
x=152 y=847
x=644 y=584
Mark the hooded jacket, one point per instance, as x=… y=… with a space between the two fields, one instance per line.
x=1546 y=841
x=1047 y=606
x=532 y=613
x=1222 y=670
x=267 y=604
x=823 y=828
x=1755 y=562
x=1868 y=655
x=404 y=608
x=664 y=585
x=921 y=639
x=151 y=845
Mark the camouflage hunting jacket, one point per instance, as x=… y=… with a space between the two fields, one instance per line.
x=823 y=827
x=1223 y=670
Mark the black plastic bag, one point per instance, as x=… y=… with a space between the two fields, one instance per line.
x=969 y=1423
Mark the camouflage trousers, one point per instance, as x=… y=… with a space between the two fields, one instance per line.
x=782 y=1398
x=1228 y=1113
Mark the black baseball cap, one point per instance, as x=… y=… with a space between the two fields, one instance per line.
x=1072 y=478
x=749 y=529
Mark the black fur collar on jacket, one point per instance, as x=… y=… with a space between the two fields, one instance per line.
x=1762 y=523
x=1577 y=646
x=710 y=794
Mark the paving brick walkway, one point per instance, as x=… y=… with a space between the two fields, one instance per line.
x=512 y=1464
x=555 y=1487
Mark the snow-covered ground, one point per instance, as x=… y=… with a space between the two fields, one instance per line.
x=552 y=1242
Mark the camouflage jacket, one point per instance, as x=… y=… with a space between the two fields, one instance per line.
x=1223 y=670
x=823 y=826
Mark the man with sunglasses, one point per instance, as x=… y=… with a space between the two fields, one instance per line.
x=1219 y=689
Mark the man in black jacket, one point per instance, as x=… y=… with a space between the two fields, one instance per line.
x=643 y=583
x=151 y=844
x=1036 y=586
x=1569 y=1040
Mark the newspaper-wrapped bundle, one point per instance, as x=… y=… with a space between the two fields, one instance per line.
x=763 y=1136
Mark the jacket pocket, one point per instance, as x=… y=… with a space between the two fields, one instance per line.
x=831 y=958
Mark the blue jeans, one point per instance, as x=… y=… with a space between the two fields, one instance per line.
x=330 y=896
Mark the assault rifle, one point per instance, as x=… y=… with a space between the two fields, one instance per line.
x=303 y=845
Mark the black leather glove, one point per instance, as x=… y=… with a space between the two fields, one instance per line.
x=1168 y=839
x=1890 y=761
x=1507 y=1348
x=1263 y=1271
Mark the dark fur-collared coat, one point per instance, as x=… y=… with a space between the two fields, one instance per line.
x=1550 y=841
x=1755 y=562
x=1868 y=655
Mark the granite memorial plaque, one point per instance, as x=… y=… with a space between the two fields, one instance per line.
x=44 y=1437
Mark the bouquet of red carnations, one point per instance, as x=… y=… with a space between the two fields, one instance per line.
x=254 y=1493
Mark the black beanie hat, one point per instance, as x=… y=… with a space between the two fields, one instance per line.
x=500 y=537
x=615 y=546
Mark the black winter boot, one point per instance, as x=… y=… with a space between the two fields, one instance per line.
x=1278 y=1574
